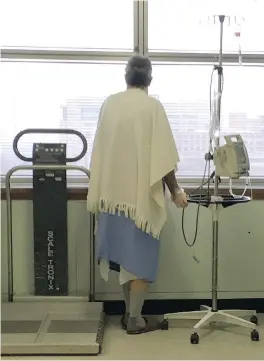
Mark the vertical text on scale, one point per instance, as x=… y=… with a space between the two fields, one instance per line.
x=51 y=266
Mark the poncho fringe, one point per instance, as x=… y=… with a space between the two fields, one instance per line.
x=129 y=211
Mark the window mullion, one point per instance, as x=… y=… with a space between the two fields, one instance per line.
x=140 y=49
x=145 y=27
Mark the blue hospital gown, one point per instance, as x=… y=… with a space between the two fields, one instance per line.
x=122 y=244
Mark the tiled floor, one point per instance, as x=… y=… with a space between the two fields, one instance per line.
x=227 y=343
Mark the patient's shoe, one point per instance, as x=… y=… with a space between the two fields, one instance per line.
x=124 y=321
x=134 y=327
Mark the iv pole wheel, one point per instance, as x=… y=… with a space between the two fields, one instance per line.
x=254 y=335
x=254 y=319
x=194 y=338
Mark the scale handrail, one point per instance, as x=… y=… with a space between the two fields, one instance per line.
x=50 y=131
x=10 y=224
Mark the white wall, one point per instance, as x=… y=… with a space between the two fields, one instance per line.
x=241 y=253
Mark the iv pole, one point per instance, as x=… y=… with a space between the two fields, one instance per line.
x=216 y=178
x=208 y=315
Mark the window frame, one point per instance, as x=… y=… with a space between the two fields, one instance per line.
x=141 y=33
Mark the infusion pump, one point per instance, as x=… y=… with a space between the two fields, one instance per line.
x=231 y=160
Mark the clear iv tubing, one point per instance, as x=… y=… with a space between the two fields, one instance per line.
x=248 y=183
x=239 y=55
x=238 y=36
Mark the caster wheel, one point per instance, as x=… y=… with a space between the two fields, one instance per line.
x=194 y=339
x=254 y=335
x=164 y=325
x=254 y=319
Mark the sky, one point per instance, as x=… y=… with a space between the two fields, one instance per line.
x=185 y=25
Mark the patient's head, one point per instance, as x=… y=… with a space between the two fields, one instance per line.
x=138 y=72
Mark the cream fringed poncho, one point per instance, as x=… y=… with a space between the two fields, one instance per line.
x=133 y=150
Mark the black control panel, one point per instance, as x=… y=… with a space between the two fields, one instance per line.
x=50 y=221
x=50 y=209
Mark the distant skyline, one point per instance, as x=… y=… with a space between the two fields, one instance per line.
x=190 y=126
x=189 y=122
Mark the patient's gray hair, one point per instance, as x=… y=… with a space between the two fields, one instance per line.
x=138 y=71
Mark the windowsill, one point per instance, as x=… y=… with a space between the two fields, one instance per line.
x=21 y=189
x=187 y=182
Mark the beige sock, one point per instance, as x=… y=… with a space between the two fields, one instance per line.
x=126 y=293
x=137 y=299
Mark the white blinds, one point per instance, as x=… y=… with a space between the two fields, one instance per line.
x=77 y=92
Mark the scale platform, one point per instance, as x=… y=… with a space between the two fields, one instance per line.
x=52 y=328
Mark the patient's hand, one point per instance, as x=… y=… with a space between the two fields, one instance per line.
x=180 y=199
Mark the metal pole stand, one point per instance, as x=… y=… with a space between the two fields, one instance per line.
x=209 y=315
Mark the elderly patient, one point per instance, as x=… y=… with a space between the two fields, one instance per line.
x=134 y=156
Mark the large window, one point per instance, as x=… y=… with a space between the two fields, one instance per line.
x=62 y=58
x=184 y=91
x=50 y=95
x=189 y=25
x=53 y=24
